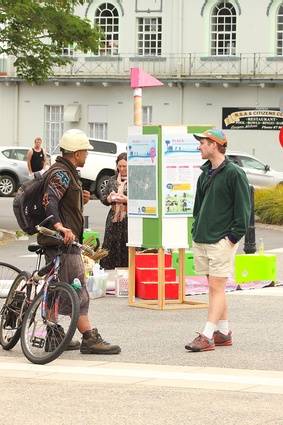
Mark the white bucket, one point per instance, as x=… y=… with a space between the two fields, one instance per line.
x=96 y=286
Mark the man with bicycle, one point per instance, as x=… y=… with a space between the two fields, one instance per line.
x=64 y=198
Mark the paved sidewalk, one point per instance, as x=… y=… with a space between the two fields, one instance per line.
x=151 y=375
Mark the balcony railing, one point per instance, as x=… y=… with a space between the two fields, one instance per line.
x=171 y=66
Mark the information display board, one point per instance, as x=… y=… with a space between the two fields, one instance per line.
x=181 y=161
x=142 y=176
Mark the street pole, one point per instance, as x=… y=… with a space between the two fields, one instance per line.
x=249 y=244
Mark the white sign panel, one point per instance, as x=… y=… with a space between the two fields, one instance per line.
x=142 y=176
x=181 y=169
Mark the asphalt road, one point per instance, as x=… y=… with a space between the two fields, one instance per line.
x=154 y=380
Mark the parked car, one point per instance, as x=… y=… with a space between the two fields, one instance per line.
x=100 y=164
x=13 y=168
x=258 y=173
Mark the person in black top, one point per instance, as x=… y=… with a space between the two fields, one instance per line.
x=36 y=158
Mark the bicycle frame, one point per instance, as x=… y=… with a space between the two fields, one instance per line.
x=51 y=277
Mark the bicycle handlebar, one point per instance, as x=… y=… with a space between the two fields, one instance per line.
x=57 y=235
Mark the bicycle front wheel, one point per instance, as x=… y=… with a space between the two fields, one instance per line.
x=50 y=324
x=13 y=312
x=8 y=274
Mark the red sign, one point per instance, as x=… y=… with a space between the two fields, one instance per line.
x=281 y=137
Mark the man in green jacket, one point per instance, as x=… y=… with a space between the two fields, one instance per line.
x=221 y=214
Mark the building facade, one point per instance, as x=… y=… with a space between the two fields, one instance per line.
x=221 y=63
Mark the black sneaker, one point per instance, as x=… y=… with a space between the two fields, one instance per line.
x=55 y=335
x=92 y=343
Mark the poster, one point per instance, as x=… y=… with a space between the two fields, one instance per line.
x=181 y=169
x=142 y=176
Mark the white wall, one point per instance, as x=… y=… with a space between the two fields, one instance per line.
x=184 y=30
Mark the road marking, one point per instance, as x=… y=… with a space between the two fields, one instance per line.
x=251 y=381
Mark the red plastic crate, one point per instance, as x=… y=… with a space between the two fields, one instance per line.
x=151 y=260
x=149 y=290
x=151 y=274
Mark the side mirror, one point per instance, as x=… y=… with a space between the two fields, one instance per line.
x=267 y=168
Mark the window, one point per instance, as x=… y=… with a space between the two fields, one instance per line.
x=98 y=129
x=147 y=115
x=252 y=163
x=98 y=121
x=54 y=126
x=279 y=41
x=223 y=29
x=149 y=36
x=104 y=147
x=106 y=16
x=16 y=153
x=68 y=50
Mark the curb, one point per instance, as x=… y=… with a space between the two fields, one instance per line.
x=269 y=227
x=7 y=234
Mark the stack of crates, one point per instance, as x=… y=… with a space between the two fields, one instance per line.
x=146 y=277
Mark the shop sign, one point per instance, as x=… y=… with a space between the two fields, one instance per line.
x=252 y=118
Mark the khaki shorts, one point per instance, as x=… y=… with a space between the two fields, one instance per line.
x=215 y=259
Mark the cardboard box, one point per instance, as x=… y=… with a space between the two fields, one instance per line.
x=122 y=282
x=253 y=267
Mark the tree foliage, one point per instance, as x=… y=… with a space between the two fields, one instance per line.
x=34 y=33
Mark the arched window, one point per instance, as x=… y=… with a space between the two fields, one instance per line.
x=107 y=17
x=223 y=29
x=279 y=38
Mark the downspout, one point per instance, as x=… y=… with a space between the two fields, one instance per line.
x=181 y=53
x=181 y=102
x=16 y=116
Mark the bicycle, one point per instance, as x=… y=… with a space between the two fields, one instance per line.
x=40 y=310
x=16 y=302
x=8 y=272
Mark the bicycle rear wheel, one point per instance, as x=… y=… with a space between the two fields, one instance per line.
x=13 y=311
x=8 y=274
x=43 y=339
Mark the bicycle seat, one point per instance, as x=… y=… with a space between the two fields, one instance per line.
x=35 y=247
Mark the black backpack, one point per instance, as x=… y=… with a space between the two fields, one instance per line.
x=27 y=204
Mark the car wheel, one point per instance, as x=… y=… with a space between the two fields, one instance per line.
x=101 y=185
x=7 y=186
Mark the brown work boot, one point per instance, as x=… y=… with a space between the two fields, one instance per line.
x=92 y=343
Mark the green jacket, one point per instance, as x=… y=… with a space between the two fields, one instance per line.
x=224 y=207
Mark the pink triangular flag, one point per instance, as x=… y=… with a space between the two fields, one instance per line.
x=140 y=79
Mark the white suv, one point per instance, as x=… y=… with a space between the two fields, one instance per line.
x=100 y=164
x=258 y=173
